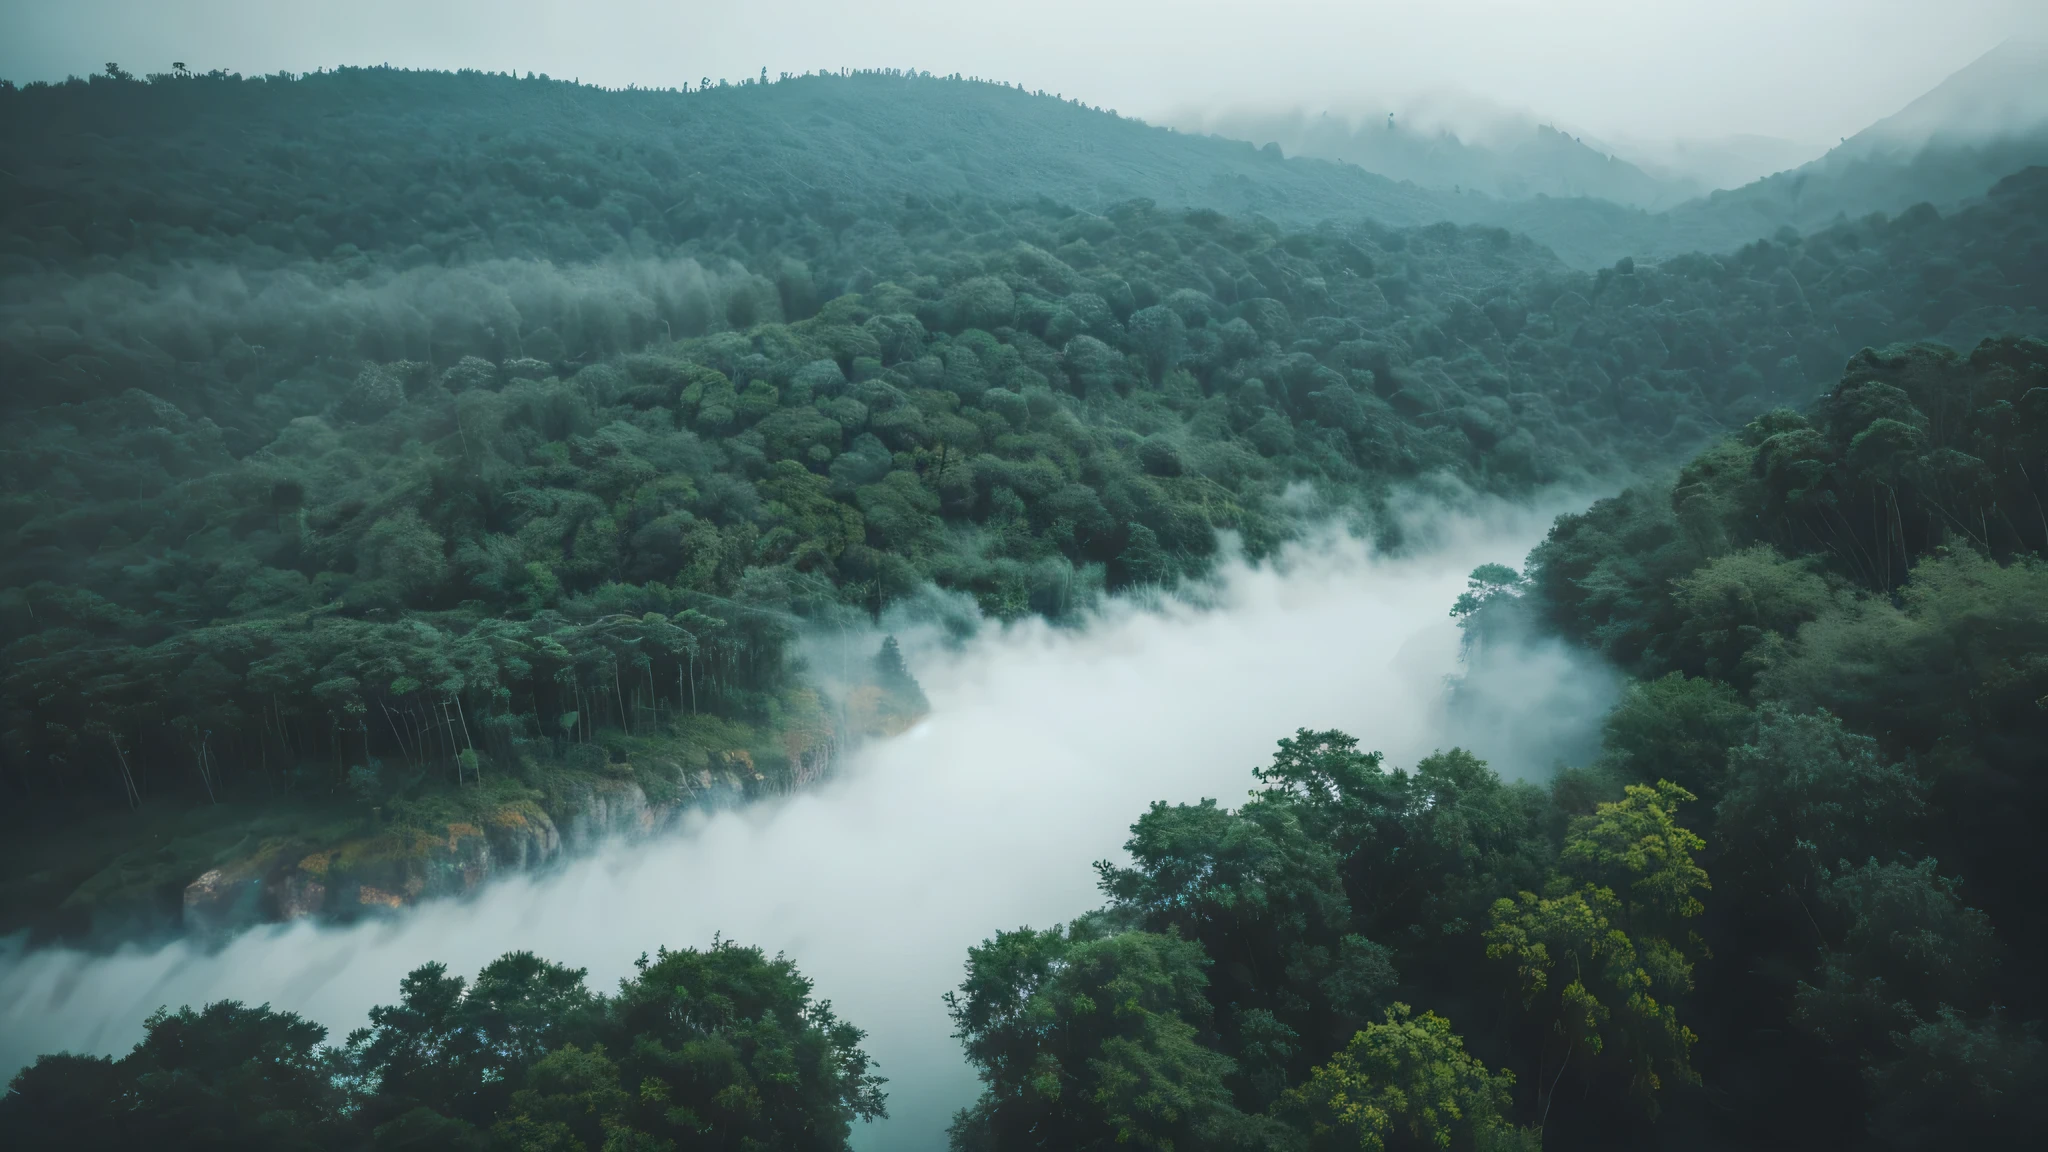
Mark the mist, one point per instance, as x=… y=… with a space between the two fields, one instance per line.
x=1808 y=70
x=494 y=307
x=1043 y=745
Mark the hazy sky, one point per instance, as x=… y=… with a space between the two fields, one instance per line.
x=1812 y=70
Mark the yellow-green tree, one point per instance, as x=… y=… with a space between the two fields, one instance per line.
x=1603 y=954
x=1407 y=1083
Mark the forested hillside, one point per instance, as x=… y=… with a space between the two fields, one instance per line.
x=264 y=170
x=487 y=472
x=1986 y=121
x=414 y=167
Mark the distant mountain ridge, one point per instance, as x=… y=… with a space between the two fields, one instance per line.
x=1946 y=148
x=2002 y=93
x=1517 y=161
x=1716 y=162
x=639 y=170
x=230 y=156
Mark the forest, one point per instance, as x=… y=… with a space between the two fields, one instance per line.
x=394 y=478
x=434 y=515
x=1792 y=903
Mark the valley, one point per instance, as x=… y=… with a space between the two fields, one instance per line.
x=464 y=522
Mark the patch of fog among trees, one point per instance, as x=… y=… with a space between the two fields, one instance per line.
x=252 y=317
x=1042 y=747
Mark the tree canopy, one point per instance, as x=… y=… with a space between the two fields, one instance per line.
x=720 y=1048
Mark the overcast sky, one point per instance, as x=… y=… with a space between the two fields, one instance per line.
x=1811 y=70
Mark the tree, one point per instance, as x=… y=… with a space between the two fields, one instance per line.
x=226 y=1076
x=1488 y=582
x=1740 y=607
x=1636 y=846
x=1961 y=1083
x=1403 y=1084
x=1904 y=949
x=1675 y=728
x=1600 y=971
x=1088 y=1038
x=727 y=1050
x=461 y=1050
x=572 y=1101
x=716 y=1049
x=1267 y=905
x=1160 y=338
x=1806 y=793
x=68 y=1103
x=1424 y=854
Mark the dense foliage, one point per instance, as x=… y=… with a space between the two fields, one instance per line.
x=715 y=1049
x=368 y=495
x=1795 y=902
x=478 y=164
x=1249 y=982
x=1838 y=620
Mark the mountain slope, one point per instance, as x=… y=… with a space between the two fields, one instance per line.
x=1981 y=124
x=121 y=165
x=2000 y=94
x=1516 y=161
x=1947 y=147
x=466 y=167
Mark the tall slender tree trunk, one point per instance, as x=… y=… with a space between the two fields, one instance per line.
x=127 y=775
x=466 y=738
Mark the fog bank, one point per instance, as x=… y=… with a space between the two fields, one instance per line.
x=1042 y=747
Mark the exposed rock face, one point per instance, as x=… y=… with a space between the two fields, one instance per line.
x=233 y=895
x=521 y=837
x=222 y=900
x=282 y=881
x=300 y=894
x=396 y=867
x=611 y=808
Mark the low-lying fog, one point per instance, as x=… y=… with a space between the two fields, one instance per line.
x=1042 y=747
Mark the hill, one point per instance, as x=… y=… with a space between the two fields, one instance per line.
x=360 y=493
x=434 y=167
x=1949 y=146
x=1513 y=160
x=476 y=165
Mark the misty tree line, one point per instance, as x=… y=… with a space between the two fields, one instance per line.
x=180 y=73
x=720 y=1048
x=296 y=702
